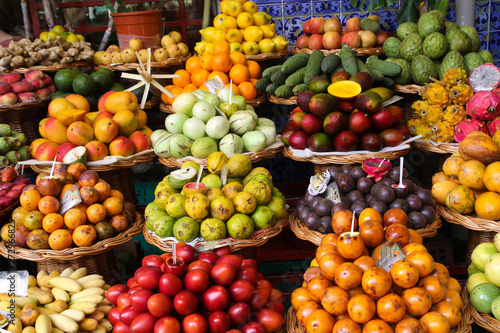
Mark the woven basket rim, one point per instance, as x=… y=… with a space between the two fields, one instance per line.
x=154 y=64
x=8 y=209
x=25 y=106
x=468 y=221
x=407 y=89
x=74 y=252
x=360 y=51
x=52 y=68
x=484 y=320
x=239 y=244
x=442 y=148
x=269 y=55
x=345 y=159
x=282 y=101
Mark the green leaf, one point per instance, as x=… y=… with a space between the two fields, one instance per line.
x=430 y=4
x=122 y=6
x=442 y=6
x=111 y=8
x=408 y=12
x=371 y=6
x=354 y=3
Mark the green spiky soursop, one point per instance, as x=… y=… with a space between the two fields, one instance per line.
x=487 y=56
x=410 y=47
x=459 y=41
x=429 y=23
x=474 y=37
x=405 y=76
x=452 y=59
x=473 y=60
x=450 y=26
x=405 y=29
x=435 y=45
x=422 y=69
x=391 y=47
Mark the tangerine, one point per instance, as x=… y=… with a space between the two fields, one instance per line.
x=199 y=77
x=377 y=326
x=222 y=62
x=404 y=274
x=391 y=308
x=413 y=247
x=183 y=80
x=299 y=296
x=48 y=205
x=74 y=218
x=361 y=308
x=348 y=275
x=189 y=88
x=239 y=73
x=114 y=206
x=29 y=199
x=52 y=222
x=329 y=263
x=376 y=282
x=316 y=286
x=84 y=235
x=192 y=64
x=234 y=88
x=423 y=261
x=346 y=325
x=60 y=239
x=219 y=76
x=176 y=91
x=221 y=46
x=238 y=58
x=247 y=89
x=450 y=312
x=117 y=194
x=334 y=300
x=254 y=69
x=96 y=213
x=370 y=214
x=417 y=301
x=206 y=61
x=320 y=321
x=435 y=322
x=434 y=286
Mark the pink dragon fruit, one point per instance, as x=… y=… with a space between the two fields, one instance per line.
x=493 y=126
x=466 y=126
x=484 y=105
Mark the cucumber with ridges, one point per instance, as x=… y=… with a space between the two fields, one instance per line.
x=262 y=83
x=299 y=88
x=296 y=78
x=313 y=67
x=284 y=91
x=330 y=63
x=278 y=77
x=348 y=58
x=271 y=88
x=270 y=70
x=295 y=62
x=386 y=67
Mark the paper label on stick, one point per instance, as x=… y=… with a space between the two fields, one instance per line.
x=213 y=86
x=223 y=175
x=389 y=254
x=213 y=245
x=69 y=200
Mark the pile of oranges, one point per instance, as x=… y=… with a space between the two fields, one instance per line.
x=221 y=65
x=345 y=291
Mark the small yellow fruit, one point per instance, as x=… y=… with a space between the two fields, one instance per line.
x=234 y=36
x=234 y=8
x=229 y=23
x=244 y=20
x=250 y=7
x=135 y=44
x=253 y=34
x=218 y=21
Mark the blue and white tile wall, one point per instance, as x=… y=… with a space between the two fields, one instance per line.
x=290 y=15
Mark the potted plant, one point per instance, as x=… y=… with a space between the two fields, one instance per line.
x=145 y=25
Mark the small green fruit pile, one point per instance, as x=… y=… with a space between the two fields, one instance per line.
x=13 y=146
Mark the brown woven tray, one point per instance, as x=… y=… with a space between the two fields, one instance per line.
x=407 y=89
x=345 y=159
x=239 y=244
x=74 y=252
x=315 y=237
x=5 y=212
x=283 y=101
x=150 y=104
x=486 y=321
x=254 y=157
x=52 y=68
x=468 y=221
x=39 y=103
x=361 y=51
x=25 y=117
x=154 y=64
x=121 y=164
x=443 y=148
x=267 y=56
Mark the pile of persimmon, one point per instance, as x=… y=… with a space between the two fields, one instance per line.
x=221 y=65
x=345 y=291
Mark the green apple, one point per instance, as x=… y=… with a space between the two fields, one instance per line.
x=472 y=269
x=212 y=99
x=483 y=295
x=229 y=109
x=476 y=279
x=495 y=308
x=240 y=101
x=492 y=269
x=249 y=107
x=481 y=253
x=496 y=241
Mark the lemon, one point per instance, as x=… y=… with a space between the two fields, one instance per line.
x=58 y=29
x=269 y=30
x=52 y=35
x=208 y=33
x=250 y=7
x=223 y=6
x=198 y=47
x=208 y=48
x=253 y=34
x=218 y=21
x=261 y=18
x=235 y=47
x=43 y=36
x=281 y=42
x=80 y=37
x=250 y=47
x=267 y=46
x=219 y=35
x=64 y=35
x=229 y=23
x=244 y=20
x=234 y=36
x=234 y=8
x=72 y=38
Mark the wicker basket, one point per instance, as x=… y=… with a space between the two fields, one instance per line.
x=407 y=89
x=24 y=117
x=103 y=264
x=5 y=213
x=474 y=239
x=486 y=321
x=154 y=64
x=282 y=101
x=468 y=221
x=443 y=148
x=73 y=252
x=267 y=56
x=52 y=68
x=315 y=237
x=256 y=240
x=150 y=104
x=345 y=159
x=254 y=157
x=360 y=51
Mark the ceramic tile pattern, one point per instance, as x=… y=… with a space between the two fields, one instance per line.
x=295 y=13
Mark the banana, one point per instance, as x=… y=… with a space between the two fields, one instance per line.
x=32 y=282
x=79 y=273
x=55 y=273
x=104 y=309
x=89 y=324
x=45 y=311
x=60 y=294
x=66 y=283
x=29 y=329
x=97 y=299
x=106 y=324
x=43 y=324
x=97 y=315
x=76 y=315
x=67 y=272
x=88 y=292
x=99 y=329
x=89 y=278
x=22 y=301
x=42 y=296
x=64 y=323
x=86 y=307
x=56 y=330
x=44 y=281
x=93 y=283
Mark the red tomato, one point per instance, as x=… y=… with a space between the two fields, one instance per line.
x=276 y=306
x=153 y=260
x=270 y=319
x=223 y=274
x=160 y=305
x=215 y=298
x=259 y=299
x=219 y=322
x=130 y=281
x=120 y=327
x=253 y=327
x=264 y=285
x=115 y=291
x=149 y=278
x=128 y=315
x=241 y=290
x=250 y=263
x=222 y=251
x=209 y=257
x=139 y=299
x=200 y=264
x=167 y=324
x=170 y=285
x=114 y=316
x=194 y=323
x=249 y=274
x=123 y=301
x=134 y=289
x=143 y=323
x=185 y=303
x=239 y=314
x=197 y=281
x=233 y=259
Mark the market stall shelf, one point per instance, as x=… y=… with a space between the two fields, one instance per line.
x=440 y=148
x=486 y=321
x=360 y=51
x=468 y=221
x=255 y=240
x=124 y=67
x=268 y=56
x=51 y=68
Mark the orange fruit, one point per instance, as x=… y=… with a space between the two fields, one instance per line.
x=204 y=87
x=254 y=81
x=222 y=76
x=114 y=206
x=60 y=239
x=247 y=90
x=74 y=218
x=176 y=91
x=117 y=194
x=192 y=64
x=434 y=322
x=206 y=61
x=29 y=199
x=221 y=46
x=96 y=213
x=320 y=321
x=199 y=77
x=299 y=296
x=183 y=80
x=84 y=235
x=52 y=222
x=370 y=214
x=234 y=88
x=238 y=58
x=239 y=73
x=48 y=205
x=254 y=69
x=222 y=62
x=189 y=88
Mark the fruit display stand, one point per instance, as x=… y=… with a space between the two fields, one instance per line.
x=268 y=55
x=315 y=237
x=167 y=108
x=257 y=239
x=483 y=320
x=98 y=258
x=361 y=52
x=51 y=68
x=468 y=221
x=125 y=67
x=5 y=213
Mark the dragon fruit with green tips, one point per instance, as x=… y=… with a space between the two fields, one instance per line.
x=466 y=126
x=493 y=126
x=484 y=105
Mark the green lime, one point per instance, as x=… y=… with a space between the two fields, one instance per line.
x=64 y=80
x=60 y=94
x=75 y=70
x=64 y=35
x=108 y=71
x=117 y=86
x=102 y=81
x=84 y=85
